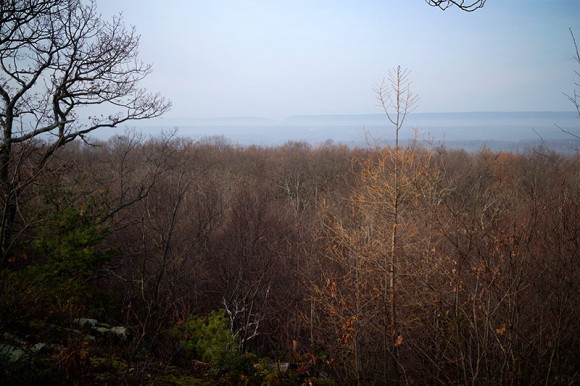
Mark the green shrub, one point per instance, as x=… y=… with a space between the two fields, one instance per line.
x=208 y=338
x=54 y=283
x=68 y=242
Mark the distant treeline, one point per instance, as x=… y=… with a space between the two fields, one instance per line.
x=498 y=131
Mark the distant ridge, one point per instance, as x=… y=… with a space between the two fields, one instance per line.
x=513 y=131
x=335 y=116
x=236 y=120
x=365 y=116
x=434 y=114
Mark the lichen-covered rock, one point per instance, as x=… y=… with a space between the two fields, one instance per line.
x=86 y=322
x=119 y=331
x=11 y=354
x=102 y=330
x=39 y=348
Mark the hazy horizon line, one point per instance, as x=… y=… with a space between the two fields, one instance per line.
x=369 y=114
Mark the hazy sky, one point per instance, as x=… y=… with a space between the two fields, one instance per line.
x=275 y=58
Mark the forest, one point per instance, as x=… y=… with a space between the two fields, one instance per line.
x=168 y=260
x=217 y=258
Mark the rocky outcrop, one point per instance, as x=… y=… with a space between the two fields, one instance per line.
x=102 y=329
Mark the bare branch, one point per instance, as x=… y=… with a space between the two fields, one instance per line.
x=396 y=99
x=568 y=132
x=60 y=62
x=574 y=97
x=467 y=6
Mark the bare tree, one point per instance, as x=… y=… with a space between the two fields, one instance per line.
x=468 y=6
x=574 y=98
x=396 y=100
x=64 y=72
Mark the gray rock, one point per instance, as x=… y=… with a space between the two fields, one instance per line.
x=11 y=354
x=119 y=331
x=86 y=322
x=102 y=330
x=39 y=348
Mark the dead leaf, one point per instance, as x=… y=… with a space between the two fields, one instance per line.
x=399 y=341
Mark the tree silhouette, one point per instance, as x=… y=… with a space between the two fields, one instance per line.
x=468 y=6
x=64 y=72
x=574 y=98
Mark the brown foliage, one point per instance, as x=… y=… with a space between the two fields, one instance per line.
x=487 y=286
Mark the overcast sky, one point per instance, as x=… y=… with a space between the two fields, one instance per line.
x=278 y=58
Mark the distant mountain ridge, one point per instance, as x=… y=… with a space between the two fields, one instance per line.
x=480 y=114
x=379 y=115
x=499 y=130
